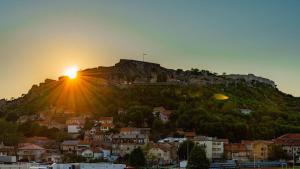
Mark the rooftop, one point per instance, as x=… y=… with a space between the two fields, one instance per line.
x=71 y=142
x=29 y=146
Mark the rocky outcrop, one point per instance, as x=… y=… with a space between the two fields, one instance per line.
x=250 y=78
x=138 y=72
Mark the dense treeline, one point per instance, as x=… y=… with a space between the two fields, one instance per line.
x=194 y=108
x=12 y=133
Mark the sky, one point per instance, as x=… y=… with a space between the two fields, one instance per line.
x=38 y=39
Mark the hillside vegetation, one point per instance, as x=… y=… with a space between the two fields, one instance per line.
x=137 y=87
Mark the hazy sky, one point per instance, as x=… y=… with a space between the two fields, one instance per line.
x=38 y=39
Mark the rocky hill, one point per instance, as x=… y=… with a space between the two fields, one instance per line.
x=191 y=94
x=138 y=72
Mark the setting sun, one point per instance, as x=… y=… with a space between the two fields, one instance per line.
x=71 y=72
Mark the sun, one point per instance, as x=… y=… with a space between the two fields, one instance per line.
x=71 y=72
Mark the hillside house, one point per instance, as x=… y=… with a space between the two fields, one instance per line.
x=128 y=139
x=162 y=113
x=214 y=147
x=237 y=151
x=105 y=123
x=290 y=143
x=30 y=152
x=259 y=149
x=7 y=150
x=75 y=124
x=82 y=146
x=162 y=154
x=69 y=146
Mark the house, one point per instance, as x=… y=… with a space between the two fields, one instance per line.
x=214 y=147
x=245 y=111
x=128 y=139
x=131 y=130
x=30 y=152
x=290 y=143
x=75 y=124
x=162 y=113
x=162 y=154
x=52 y=157
x=124 y=144
x=82 y=146
x=7 y=150
x=259 y=149
x=69 y=146
x=172 y=140
x=121 y=111
x=87 y=153
x=7 y=154
x=106 y=123
x=237 y=151
x=102 y=152
x=42 y=142
x=189 y=135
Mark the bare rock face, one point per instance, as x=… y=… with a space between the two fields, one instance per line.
x=138 y=72
x=132 y=71
x=250 y=78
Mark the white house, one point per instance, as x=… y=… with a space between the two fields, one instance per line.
x=88 y=153
x=75 y=124
x=172 y=140
x=30 y=152
x=214 y=147
x=106 y=123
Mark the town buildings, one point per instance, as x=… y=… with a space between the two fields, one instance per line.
x=290 y=143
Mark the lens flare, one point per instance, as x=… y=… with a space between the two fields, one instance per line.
x=71 y=72
x=219 y=96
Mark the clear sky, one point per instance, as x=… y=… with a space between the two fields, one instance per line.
x=38 y=39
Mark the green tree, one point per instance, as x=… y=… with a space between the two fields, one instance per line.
x=89 y=124
x=9 y=134
x=198 y=159
x=12 y=117
x=277 y=153
x=185 y=149
x=140 y=115
x=161 y=77
x=137 y=158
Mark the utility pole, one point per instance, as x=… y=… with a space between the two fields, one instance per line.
x=254 y=159
x=187 y=152
x=293 y=158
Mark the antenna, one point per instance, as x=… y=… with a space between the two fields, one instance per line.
x=144 y=54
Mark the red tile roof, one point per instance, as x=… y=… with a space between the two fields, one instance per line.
x=163 y=111
x=28 y=146
x=189 y=134
x=288 y=140
x=126 y=129
x=106 y=118
x=290 y=136
x=235 y=147
x=106 y=125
